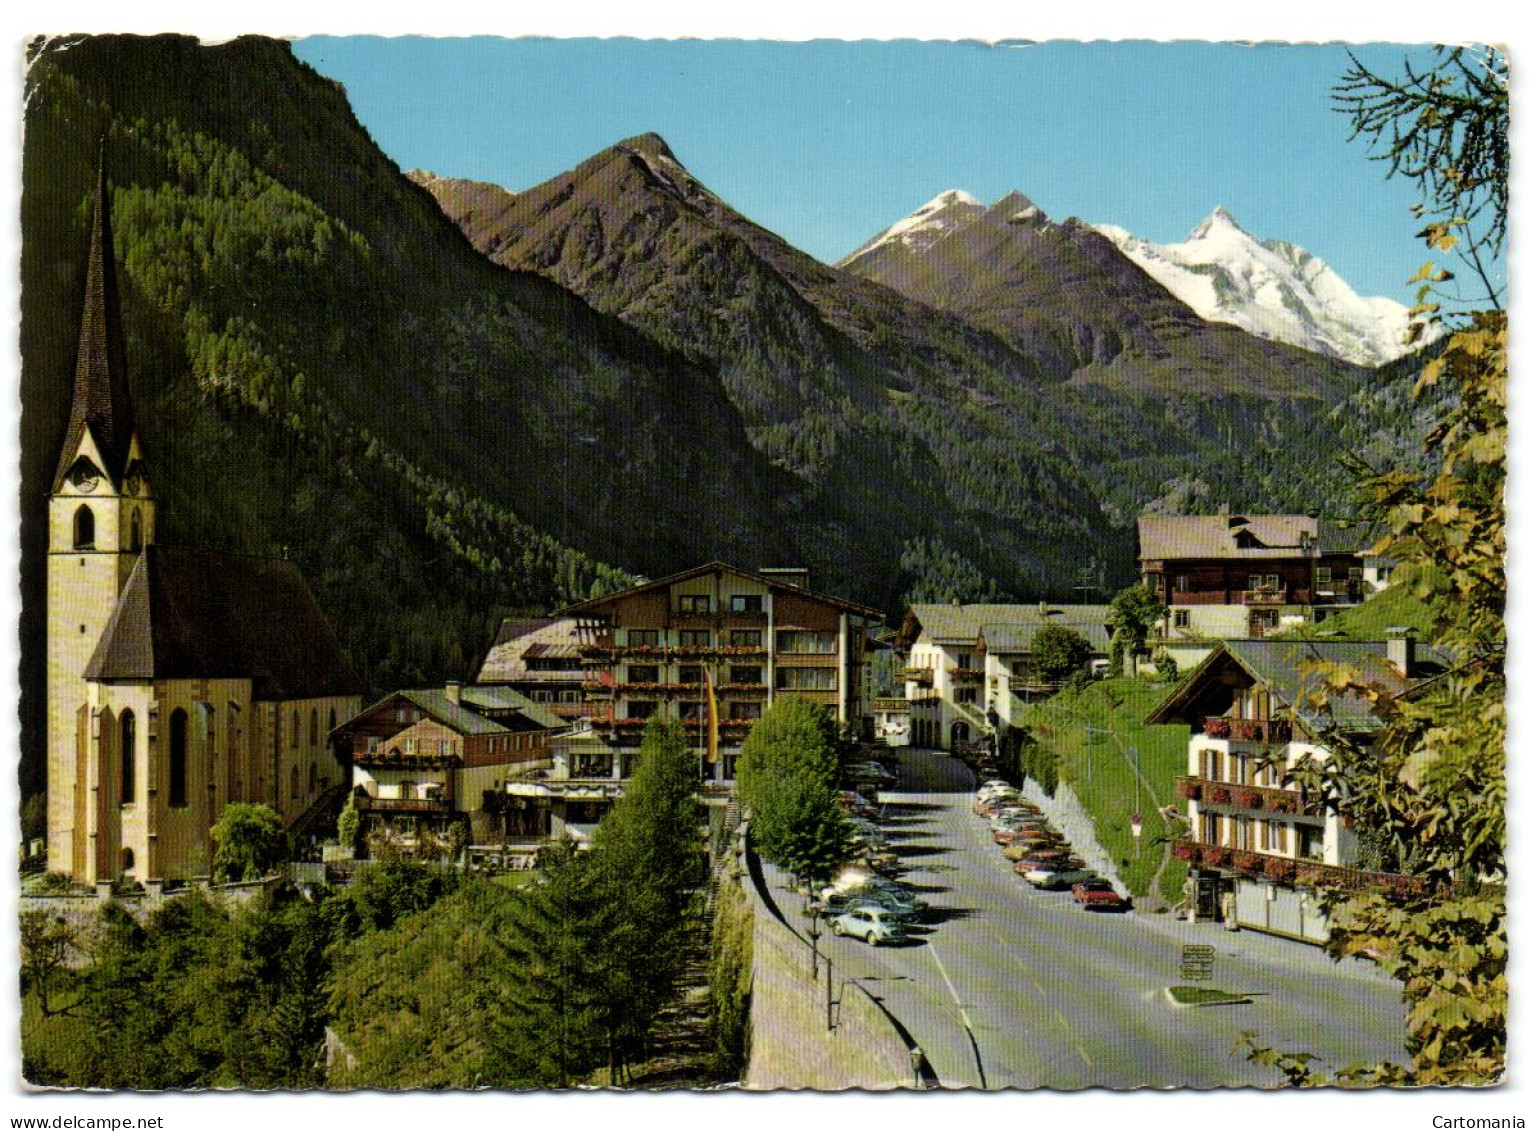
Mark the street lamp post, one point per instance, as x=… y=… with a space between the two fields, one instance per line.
x=815 y=934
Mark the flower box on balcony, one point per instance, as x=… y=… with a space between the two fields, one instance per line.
x=1279 y=868
x=1188 y=789
x=1219 y=727
x=1183 y=850
x=1248 y=798
x=1218 y=794
x=1280 y=801
x=1247 y=861
x=1213 y=854
x=1248 y=730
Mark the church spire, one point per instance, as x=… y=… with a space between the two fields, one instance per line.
x=101 y=404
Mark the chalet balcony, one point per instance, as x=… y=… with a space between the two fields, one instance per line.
x=1286 y=870
x=607 y=655
x=1258 y=798
x=1263 y=731
x=923 y=676
x=743 y=690
x=1265 y=597
x=1339 y=593
x=571 y=710
x=966 y=675
x=404 y=806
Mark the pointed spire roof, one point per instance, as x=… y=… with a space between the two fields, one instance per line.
x=101 y=403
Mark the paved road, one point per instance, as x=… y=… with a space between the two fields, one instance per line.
x=1010 y=987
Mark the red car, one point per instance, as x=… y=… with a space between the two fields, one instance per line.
x=1098 y=895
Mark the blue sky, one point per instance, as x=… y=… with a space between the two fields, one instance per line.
x=828 y=142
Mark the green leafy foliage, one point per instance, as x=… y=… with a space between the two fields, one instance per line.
x=730 y=978
x=45 y=949
x=249 y=841
x=787 y=779
x=1132 y=615
x=1056 y=652
x=1428 y=794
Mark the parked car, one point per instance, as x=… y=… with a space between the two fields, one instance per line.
x=906 y=913
x=1098 y=895
x=1058 y=879
x=872 y=924
x=1028 y=849
x=1046 y=858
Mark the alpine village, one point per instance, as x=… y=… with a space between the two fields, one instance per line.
x=574 y=638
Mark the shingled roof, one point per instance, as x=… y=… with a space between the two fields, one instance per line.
x=1175 y=537
x=188 y=614
x=101 y=405
x=1284 y=667
x=521 y=639
x=1007 y=628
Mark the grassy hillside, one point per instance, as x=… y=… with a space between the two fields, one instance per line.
x=1394 y=607
x=1098 y=767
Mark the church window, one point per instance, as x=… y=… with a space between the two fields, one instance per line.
x=135 y=534
x=178 y=765
x=85 y=528
x=293 y=782
x=127 y=859
x=126 y=741
x=332 y=725
x=314 y=726
x=293 y=731
x=314 y=777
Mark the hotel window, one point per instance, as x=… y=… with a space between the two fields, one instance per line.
x=807 y=679
x=1210 y=828
x=690 y=673
x=1212 y=760
x=746 y=710
x=643 y=673
x=1242 y=834
x=642 y=710
x=693 y=603
x=808 y=643
x=694 y=637
x=963 y=661
x=965 y=695
x=746 y=603
x=1324 y=575
x=746 y=674
x=690 y=709
x=746 y=638
x=640 y=637
x=1273 y=837
x=1181 y=618
x=1181 y=583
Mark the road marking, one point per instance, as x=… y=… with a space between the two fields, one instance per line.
x=1077 y=1043
x=965 y=1018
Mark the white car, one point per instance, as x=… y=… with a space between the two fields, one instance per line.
x=872 y=924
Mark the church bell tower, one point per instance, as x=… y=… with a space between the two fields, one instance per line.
x=101 y=515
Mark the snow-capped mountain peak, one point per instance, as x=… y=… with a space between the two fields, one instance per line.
x=951 y=209
x=1270 y=288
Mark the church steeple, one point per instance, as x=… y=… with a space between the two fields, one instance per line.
x=101 y=406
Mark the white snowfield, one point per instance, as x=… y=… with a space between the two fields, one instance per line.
x=1270 y=288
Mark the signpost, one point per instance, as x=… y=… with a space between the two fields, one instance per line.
x=1198 y=963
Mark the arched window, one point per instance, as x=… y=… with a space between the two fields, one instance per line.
x=127 y=859
x=178 y=758
x=126 y=755
x=314 y=726
x=314 y=777
x=293 y=738
x=293 y=782
x=333 y=721
x=85 y=528
x=135 y=533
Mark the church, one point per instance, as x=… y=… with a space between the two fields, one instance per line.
x=178 y=680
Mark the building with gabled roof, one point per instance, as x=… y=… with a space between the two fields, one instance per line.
x=439 y=755
x=1226 y=576
x=541 y=658
x=752 y=635
x=178 y=681
x=1258 y=847
x=963 y=666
